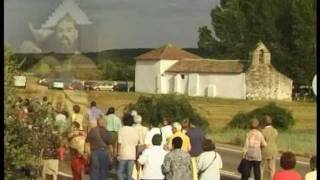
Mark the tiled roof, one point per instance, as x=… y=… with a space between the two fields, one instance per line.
x=207 y=66
x=168 y=52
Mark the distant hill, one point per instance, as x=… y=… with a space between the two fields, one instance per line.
x=117 y=55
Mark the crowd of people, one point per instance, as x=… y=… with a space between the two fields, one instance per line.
x=99 y=142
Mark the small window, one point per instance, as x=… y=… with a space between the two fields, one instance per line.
x=182 y=76
x=261 y=59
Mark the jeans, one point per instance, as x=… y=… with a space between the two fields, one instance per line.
x=125 y=168
x=256 y=171
x=99 y=164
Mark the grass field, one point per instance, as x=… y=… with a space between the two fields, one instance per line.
x=218 y=112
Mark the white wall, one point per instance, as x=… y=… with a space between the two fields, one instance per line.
x=227 y=85
x=165 y=80
x=150 y=77
x=145 y=76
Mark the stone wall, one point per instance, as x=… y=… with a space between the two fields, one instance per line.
x=264 y=82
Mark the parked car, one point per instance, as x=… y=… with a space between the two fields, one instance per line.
x=57 y=84
x=103 y=87
x=43 y=82
x=76 y=85
x=88 y=85
x=20 y=81
x=122 y=87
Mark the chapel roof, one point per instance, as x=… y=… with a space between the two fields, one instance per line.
x=167 y=52
x=207 y=66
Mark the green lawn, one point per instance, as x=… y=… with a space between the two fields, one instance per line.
x=298 y=141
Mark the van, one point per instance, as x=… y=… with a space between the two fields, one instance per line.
x=20 y=81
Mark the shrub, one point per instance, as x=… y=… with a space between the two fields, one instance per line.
x=166 y=106
x=281 y=117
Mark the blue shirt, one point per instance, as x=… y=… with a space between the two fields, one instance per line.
x=196 y=137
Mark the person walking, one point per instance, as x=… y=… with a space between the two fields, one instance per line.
x=76 y=144
x=252 y=151
x=127 y=141
x=196 y=137
x=152 y=158
x=77 y=116
x=166 y=128
x=270 y=152
x=99 y=139
x=177 y=132
x=154 y=129
x=113 y=125
x=287 y=163
x=177 y=163
x=92 y=116
x=209 y=162
x=313 y=166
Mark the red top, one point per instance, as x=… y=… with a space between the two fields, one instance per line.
x=287 y=175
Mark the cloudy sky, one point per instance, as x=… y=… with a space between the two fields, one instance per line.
x=116 y=23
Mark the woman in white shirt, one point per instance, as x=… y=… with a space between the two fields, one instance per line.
x=167 y=128
x=209 y=162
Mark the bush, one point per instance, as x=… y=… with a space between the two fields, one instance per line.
x=281 y=117
x=166 y=106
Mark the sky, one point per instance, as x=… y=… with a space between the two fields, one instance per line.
x=117 y=24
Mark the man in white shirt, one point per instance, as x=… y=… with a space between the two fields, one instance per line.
x=313 y=165
x=152 y=159
x=153 y=131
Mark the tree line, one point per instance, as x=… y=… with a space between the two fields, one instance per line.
x=287 y=27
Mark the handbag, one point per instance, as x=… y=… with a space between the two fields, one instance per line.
x=243 y=167
x=200 y=172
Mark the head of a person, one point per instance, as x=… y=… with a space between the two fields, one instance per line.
x=75 y=125
x=137 y=119
x=287 y=160
x=166 y=121
x=186 y=124
x=156 y=140
x=154 y=123
x=176 y=127
x=208 y=145
x=313 y=163
x=45 y=99
x=177 y=143
x=134 y=113
x=268 y=120
x=101 y=122
x=93 y=104
x=66 y=33
x=76 y=108
x=127 y=120
x=254 y=123
x=111 y=110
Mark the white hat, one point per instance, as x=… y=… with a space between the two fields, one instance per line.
x=134 y=113
x=177 y=125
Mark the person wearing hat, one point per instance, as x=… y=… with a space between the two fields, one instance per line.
x=269 y=153
x=252 y=151
x=177 y=132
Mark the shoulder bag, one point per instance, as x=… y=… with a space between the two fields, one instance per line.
x=200 y=172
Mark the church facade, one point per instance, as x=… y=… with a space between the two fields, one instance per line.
x=173 y=70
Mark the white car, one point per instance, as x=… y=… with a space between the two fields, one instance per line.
x=20 y=81
x=103 y=87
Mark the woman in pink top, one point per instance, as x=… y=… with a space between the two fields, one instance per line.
x=287 y=163
x=252 y=151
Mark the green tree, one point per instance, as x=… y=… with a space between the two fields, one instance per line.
x=23 y=141
x=287 y=28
